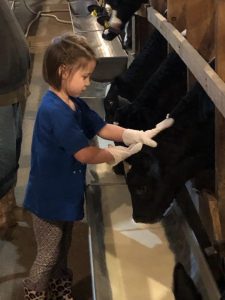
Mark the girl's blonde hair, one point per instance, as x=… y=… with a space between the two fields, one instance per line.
x=68 y=50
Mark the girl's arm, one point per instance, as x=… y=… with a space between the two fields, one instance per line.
x=93 y=155
x=112 y=132
x=96 y=155
x=132 y=136
x=113 y=155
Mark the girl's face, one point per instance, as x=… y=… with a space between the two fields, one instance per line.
x=76 y=81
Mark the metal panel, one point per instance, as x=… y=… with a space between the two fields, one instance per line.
x=85 y=24
x=79 y=7
x=112 y=58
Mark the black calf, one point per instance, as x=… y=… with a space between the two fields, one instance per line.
x=159 y=95
x=122 y=11
x=129 y=84
x=183 y=152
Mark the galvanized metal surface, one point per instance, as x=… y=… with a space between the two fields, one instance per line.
x=112 y=58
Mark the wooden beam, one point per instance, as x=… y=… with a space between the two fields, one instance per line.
x=207 y=77
x=220 y=121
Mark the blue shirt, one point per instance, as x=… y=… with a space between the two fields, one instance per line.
x=55 y=189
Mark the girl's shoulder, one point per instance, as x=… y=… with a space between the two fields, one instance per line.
x=50 y=101
x=49 y=106
x=49 y=95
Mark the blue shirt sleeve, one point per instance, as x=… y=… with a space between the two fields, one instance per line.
x=92 y=122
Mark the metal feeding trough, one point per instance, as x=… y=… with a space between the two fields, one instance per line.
x=112 y=58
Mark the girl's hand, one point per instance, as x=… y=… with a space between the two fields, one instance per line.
x=120 y=153
x=131 y=136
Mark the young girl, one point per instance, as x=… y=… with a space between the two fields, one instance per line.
x=60 y=151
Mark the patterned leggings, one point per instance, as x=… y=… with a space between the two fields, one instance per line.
x=53 y=243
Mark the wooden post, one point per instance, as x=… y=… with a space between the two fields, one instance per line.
x=159 y=5
x=200 y=22
x=143 y=29
x=220 y=121
x=214 y=211
x=176 y=13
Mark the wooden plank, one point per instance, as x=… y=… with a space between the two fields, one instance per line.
x=207 y=77
x=176 y=13
x=220 y=121
x=143 y=30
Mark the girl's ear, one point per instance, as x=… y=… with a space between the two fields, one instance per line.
x=63 y=72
